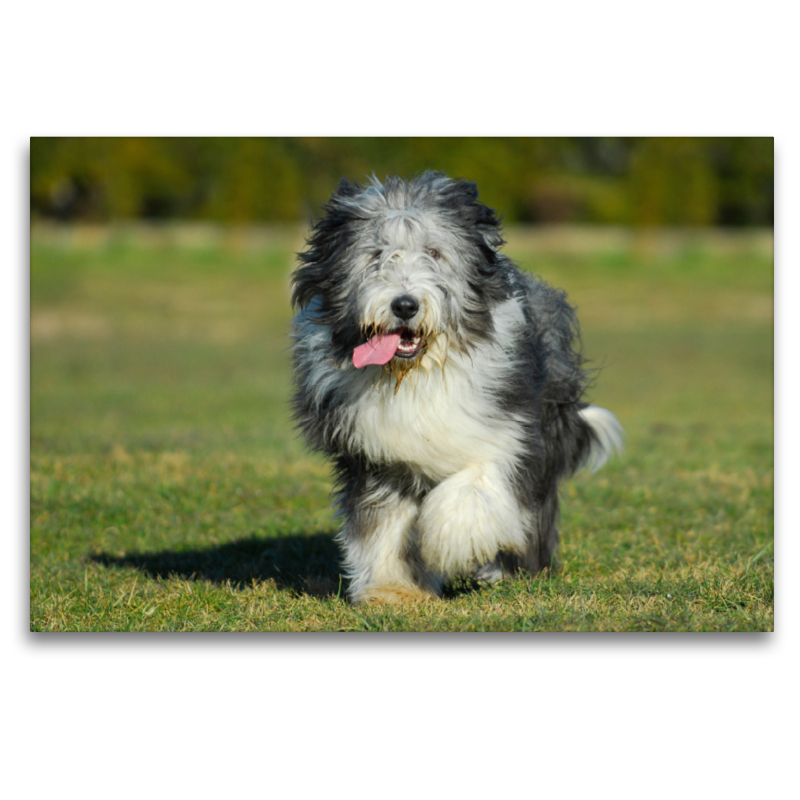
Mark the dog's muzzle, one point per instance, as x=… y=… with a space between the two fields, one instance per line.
x=403 y=342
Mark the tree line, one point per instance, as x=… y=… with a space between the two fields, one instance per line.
x=605 y=180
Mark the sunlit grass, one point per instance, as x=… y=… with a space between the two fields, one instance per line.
x=169 y=492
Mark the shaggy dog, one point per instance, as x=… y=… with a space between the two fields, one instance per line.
x=443 y=383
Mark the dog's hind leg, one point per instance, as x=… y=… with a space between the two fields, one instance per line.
x=380 y=552
x=540 y=551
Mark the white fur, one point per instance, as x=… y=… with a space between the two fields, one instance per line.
x=441 y=421
x=468 y=518
x=608 y=432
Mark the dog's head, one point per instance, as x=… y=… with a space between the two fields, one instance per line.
x=402 y=271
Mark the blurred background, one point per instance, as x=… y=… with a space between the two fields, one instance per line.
x=619 y=181
x=160 y=357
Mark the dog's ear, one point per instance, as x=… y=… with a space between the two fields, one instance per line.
x=315 y=274
x=462 y=197
x=346 y=189
x=468 y=190
x=482 y=222
x=318 y=272
x=482 y=227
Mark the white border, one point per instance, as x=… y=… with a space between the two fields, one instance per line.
x=590 y=714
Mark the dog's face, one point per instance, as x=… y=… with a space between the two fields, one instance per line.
x=403 y=271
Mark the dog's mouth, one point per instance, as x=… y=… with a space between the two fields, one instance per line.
x=403 y=343
x=410 y=344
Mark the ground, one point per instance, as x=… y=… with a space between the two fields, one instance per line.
x=169 y=491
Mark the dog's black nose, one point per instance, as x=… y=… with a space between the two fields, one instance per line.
x=405 y=306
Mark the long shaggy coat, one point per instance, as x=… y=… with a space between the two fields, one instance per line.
x=444 y=384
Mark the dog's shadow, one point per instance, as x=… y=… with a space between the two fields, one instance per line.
x=304 y=564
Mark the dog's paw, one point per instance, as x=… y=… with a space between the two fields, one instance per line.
x=395 y=593
x=490 y=573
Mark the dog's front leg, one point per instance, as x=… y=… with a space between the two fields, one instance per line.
x=380 y=549
x=468 y=518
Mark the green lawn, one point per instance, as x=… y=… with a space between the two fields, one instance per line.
x=169 y=492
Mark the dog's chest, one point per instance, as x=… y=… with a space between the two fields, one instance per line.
x=438 y=425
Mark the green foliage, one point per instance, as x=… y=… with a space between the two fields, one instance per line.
x=638 y=181
x=169 y=492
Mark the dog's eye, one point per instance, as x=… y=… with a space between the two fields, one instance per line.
x=432 y=252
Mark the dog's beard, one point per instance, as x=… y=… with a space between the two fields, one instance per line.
x=399 y=367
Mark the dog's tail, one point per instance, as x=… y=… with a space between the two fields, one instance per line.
x=606 y=436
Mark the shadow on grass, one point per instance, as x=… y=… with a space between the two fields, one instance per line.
x=302 y=564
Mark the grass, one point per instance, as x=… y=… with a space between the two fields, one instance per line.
x=169 y=492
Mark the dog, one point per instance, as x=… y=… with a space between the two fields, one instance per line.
x=443 y=383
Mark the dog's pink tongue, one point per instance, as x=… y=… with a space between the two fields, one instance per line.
x=378 y=350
